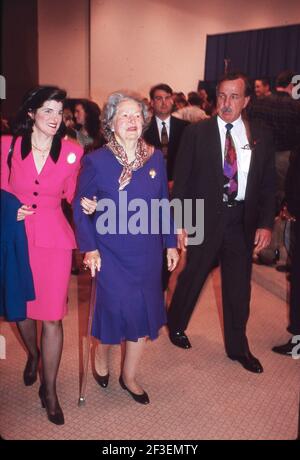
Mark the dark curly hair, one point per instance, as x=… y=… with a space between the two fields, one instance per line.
x=92 y=123
x=33 y=100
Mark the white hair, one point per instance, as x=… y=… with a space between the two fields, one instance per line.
x=111 y=106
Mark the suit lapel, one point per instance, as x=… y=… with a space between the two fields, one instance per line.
x=155 y=132
x=172 y=132
x=253 y=162
x=175 y=133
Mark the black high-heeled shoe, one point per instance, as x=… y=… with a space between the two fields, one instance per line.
x=29 y=375
x=57 y=417
x=142 y=399
x=102 y=380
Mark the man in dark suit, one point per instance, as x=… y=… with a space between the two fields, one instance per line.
x=292 y=212
x=229 y=164
x=164 y=131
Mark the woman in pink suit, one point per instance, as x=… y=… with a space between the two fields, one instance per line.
x=40 y=168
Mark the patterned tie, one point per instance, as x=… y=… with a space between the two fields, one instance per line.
x=230 y=168
x=164 y=140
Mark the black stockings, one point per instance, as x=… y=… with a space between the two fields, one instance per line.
x=51 y=346
x=28 y=332
x=51 y=350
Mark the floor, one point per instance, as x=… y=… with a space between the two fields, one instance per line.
x=195 y=394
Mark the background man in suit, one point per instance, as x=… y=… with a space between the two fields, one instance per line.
x=262 y=88
x=292 y=211
x=164 y=131
x=281 y=113
x=230 y=164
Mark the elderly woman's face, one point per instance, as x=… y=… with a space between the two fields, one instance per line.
x=128 y=121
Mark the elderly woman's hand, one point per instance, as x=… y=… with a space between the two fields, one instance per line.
x=172 y=258
x=92 y=260
x=23 y=212
x=88 y=206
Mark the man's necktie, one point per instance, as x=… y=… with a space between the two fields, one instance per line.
x=230 y=168
x=164 y=140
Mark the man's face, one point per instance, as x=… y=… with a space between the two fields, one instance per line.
x=260 y=89
x=203 y=94
x=231 y=99
x=162 y=104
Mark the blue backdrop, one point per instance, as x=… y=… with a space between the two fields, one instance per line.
x=258 y=53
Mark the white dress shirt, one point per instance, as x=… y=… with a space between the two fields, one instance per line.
x=160 y=125
x=243 y=152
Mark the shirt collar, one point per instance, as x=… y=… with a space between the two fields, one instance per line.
x=159 y=121
x=236 y=123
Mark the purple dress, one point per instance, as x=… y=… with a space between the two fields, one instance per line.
x=130 y=300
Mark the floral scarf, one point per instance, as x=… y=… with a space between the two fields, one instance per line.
x=142 y=154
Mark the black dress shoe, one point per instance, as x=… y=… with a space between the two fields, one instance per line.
x=179 y=339
x=142 y=399
x=102 y=380
x=249 y=362
x=285 y=349
x=30 y=372
x=56 y=417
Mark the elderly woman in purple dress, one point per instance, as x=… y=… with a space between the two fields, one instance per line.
x=125 y=175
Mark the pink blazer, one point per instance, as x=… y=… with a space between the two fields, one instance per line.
x=48 y=227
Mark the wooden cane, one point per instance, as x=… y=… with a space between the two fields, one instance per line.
x=82 y=394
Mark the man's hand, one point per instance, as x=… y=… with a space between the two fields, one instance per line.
x=182 y=239
x=285 y=215
x=172 y=258
x=262 y=239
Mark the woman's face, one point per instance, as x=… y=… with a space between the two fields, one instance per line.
x=48 y=118
x=128 y=121
x=79 y=114
x=68 y=118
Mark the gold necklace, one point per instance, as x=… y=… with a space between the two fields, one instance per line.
x=42 y=154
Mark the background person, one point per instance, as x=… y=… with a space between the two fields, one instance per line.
x=262 y=87
x=292 y=212
x=164 y=131
x=88 y=129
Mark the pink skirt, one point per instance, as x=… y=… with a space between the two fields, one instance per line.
x=51 y=269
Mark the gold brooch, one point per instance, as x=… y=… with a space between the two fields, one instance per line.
x=152 y=173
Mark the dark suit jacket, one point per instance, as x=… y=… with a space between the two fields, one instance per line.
x=292 y=186
x=151 y=136
x=199 y=174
